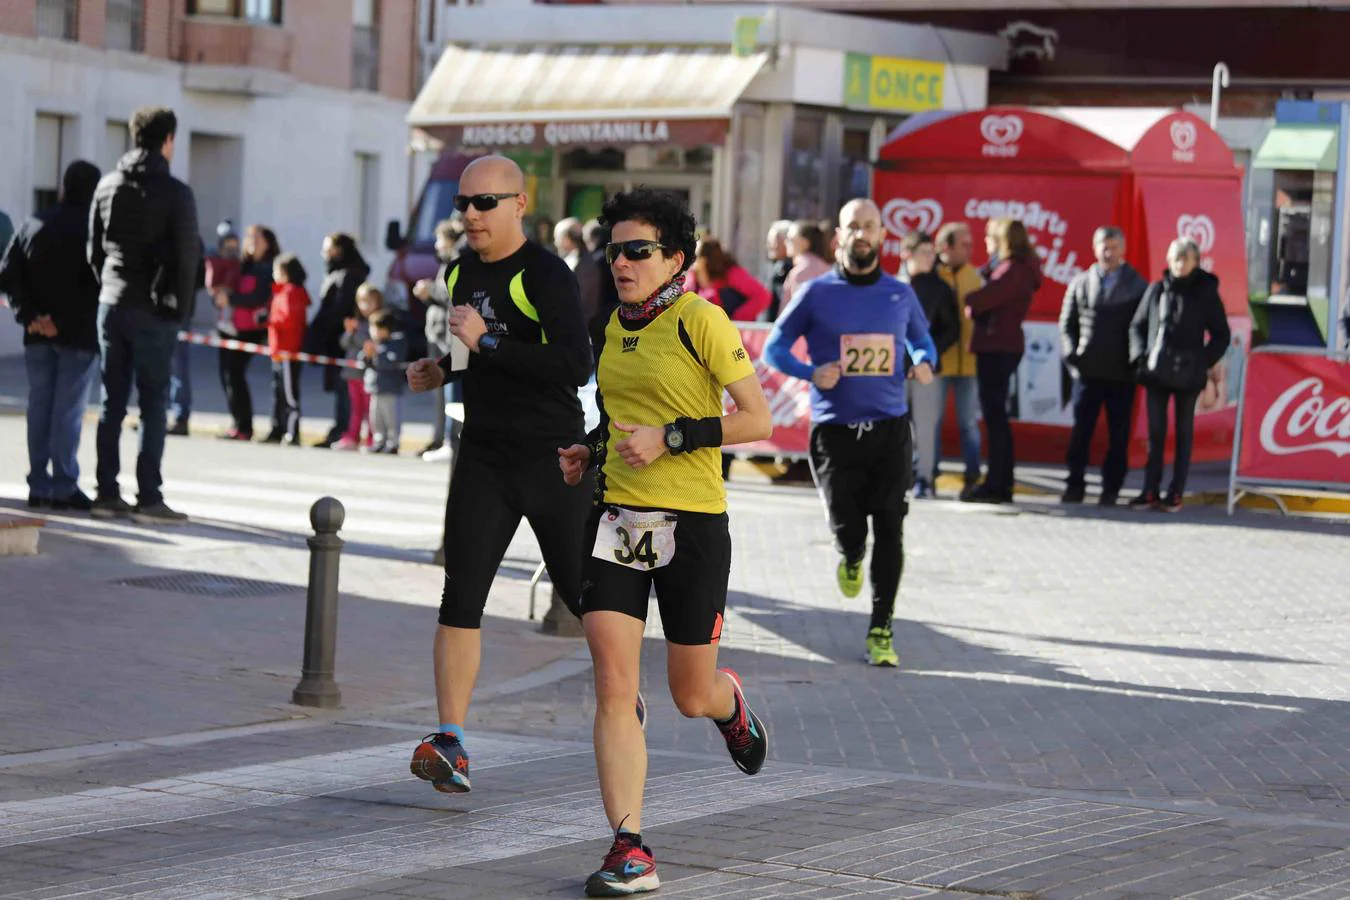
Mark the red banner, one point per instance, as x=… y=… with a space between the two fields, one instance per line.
x=1209 y=212
x=789 y=399
x=1060 y=213
x=1296 y=420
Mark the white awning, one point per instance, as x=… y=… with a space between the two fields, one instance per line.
x=502 y=85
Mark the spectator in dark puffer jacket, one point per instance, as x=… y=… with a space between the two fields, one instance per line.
x=1179 y=332
x=1094 y=324
x=144 y=246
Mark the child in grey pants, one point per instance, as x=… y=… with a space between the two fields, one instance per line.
x=384 y=379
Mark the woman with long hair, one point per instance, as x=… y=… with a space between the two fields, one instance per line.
x=811 y=256
x=716 y=276
x=999 y=308
x=344 y=271
x=244 y=318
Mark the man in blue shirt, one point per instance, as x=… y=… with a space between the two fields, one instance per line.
x=863 y=328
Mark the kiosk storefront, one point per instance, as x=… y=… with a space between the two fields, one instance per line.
x=1158 y=174
x=1299 y=263
x=752 y=113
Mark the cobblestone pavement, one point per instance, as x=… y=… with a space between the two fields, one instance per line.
x=1089 y=704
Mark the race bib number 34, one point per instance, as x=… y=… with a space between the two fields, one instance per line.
x=867 y=354
x=638 y=540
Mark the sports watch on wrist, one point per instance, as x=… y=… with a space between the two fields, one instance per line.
x=488 y=343
x=674 y=438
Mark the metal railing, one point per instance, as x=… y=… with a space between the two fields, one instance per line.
x=125 y=28
x=56 y=19
x=365 y=58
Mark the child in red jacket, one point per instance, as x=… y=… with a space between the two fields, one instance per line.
x=285 y=335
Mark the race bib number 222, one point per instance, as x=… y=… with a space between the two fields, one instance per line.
x=867 y=354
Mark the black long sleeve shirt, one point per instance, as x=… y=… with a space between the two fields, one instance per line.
x=520 y=400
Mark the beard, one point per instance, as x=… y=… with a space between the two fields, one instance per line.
x=862 y=256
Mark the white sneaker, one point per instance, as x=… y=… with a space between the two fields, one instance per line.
x=440 y=454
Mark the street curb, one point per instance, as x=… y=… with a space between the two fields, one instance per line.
x=1326 y=504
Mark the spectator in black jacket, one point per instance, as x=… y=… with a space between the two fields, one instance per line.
x=597 y=236
x=1172 y=356
x=55 y=298
x=435 y=293
x=346 y=270
x=245 y=319
x=1094 y=326
x=144 y=245
x=919 y=256
x=780 y=260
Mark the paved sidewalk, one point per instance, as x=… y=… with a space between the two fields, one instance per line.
x=1090 y=703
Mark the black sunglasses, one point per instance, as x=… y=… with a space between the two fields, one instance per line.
x=481 y=202
x=637 y=251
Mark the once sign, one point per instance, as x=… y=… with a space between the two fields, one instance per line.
x=888 y=82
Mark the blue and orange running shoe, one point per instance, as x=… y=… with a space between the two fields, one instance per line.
x=628 y=869
x=747 y=741
x=442 y=760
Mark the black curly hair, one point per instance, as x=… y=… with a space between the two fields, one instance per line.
x=665 y=212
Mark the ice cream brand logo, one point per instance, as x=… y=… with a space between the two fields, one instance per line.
x=1301 y=409
x=901 y=216
x=1000 y=134
x=1199 y=229
x=1183 y=141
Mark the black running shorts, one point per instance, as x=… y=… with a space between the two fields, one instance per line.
x=485 y=507
x=691 y=581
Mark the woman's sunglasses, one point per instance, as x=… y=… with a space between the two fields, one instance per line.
x=480 y=202
x=636 y=251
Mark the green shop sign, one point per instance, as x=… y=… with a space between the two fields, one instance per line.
x=889 y=82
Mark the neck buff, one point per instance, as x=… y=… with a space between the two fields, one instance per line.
x=654 y=305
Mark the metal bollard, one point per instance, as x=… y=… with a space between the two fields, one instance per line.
x=317 y=687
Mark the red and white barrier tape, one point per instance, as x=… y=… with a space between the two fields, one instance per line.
x=211 y=340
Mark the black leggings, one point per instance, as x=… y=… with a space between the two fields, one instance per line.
x=485 y=507
x=994 y=373
x=864 y=470
x=1158 y=399
x=286 y=398
x=234 y=381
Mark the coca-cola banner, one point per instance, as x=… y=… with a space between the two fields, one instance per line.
x=1060 y=212
x=1295 y=420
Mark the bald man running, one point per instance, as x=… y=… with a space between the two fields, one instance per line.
x=862 y=328
x=515 y=305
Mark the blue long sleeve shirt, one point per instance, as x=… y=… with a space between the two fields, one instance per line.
x=866 y=323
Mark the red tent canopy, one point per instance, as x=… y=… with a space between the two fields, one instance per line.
x=1156 y=173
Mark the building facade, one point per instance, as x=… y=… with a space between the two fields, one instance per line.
x=753 y=113
x=291 y=112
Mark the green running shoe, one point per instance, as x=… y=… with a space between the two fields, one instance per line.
x=879 y=649
x=850 y=577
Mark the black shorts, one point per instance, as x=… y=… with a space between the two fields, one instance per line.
x=485 y=507
x=691 y=589
x=864 y=469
